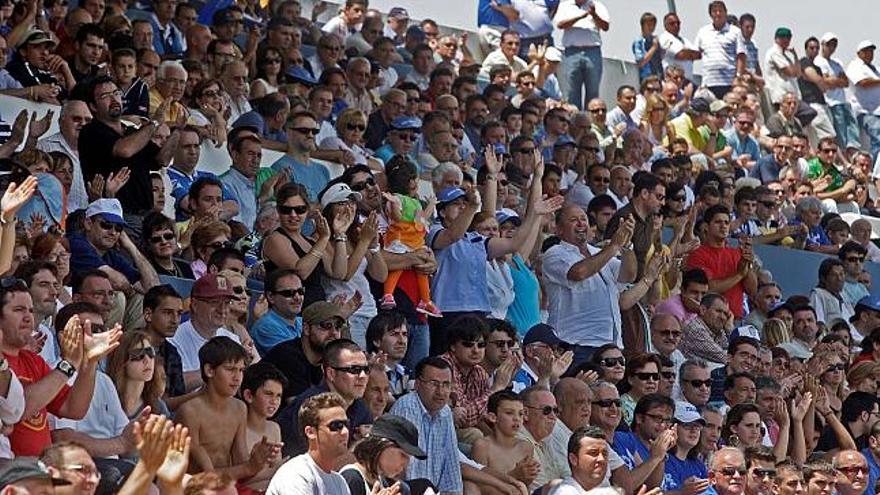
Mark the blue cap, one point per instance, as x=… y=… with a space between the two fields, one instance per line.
x=250 y=119
x=416 y=33
x=542 y=332
x=506 y=214
x=405 y=123
x=564 y=140
x=297 y=74
x=449 y=195
x=499 y=148
x=869 y=302
x=110 y=209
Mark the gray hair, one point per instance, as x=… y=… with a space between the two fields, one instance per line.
x=595 y=386
x=806 y=204
x=723 y=450
x=690 y=363
x=443 y=169
x=167 y=65
x=358 y=61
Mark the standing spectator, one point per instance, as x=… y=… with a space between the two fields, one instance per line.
x=866 y=92
x=753 y=58
x=836 y=80
x=677 y=50
x=648 y=195
x=168 y=39
x=723 y=50
x=647 y=49
x=534 y=25
x=493 y=18
x=349 y=20
x=507 y=55
x=783 y=68
x=89 y=43
x=582 y=23
x=812 y=83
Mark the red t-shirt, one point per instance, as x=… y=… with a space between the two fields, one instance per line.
x=31 y=435
x=721 y=263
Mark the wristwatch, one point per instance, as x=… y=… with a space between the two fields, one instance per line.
x=4 y=364
x=65 y=368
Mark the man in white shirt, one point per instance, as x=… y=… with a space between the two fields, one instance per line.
x=582 y=23
x=866 y=92
x=723 y=51
x=783 y=67
x=677 y=50
x=74 y=115
x=209 y=309
x=588 y=458
x=505 y=55
x=835 y=82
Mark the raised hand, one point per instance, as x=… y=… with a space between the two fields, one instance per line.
x=116 y=180
x=16 y=196
x=38 y=127
x=561 y=363
x=100 y=344
x=624 y=232
x=549 y=205
x=72 y=342
x=176 y=458
x=19 y=126
x=799 y=408
x=152 y=439
x=263 y=453
x=161 y=110
x=588 y=376
x=370 y=228
x=342 y=221
x=494 y=163
x=506 y=370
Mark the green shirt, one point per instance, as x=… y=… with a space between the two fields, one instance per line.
x=816 y=170
x=720 y=141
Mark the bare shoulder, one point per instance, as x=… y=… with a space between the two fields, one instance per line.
x=273 y=431
x=524 y=447
x=191 y=411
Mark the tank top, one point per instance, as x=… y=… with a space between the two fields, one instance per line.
x=312 y=283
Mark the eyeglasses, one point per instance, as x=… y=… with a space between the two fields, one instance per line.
x=598 y=110
x=763 y=473
x=470 y=344
x=602 y=180
x=671 y=333
x=306 y=130
x=591 y=149
x=110 y=94
x=287 y=210
x=328 y=325
x=110 y=226
x=337 y=425
x=700 y=383
x=356 y=127
x=667 y=375
x=406 y=136
x=524 y=151
x=360 y=186
x=437 y=384
x=730 y=471
x=272 y=61
x=835 y=367
x=851 y=471
x=745 y=123
x=546 y=410
x=84 y=471
x=607 y=403
x=168 y=236
x=612 y=362
x=219 y=244
x=138 y=354
x=290 y=293
x=768 y=204
x=354 y=369
x=503 y=344
x=654 y=377
x=660 y=419
x=827 y=150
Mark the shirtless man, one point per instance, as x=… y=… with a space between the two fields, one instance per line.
x=261 y=389
x=217 y=421
x=502 y=450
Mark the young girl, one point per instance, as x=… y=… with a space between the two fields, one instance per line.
x=406 y=232
x=132 y=367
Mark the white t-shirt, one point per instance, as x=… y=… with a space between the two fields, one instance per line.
x=864 y=100
x=188 y=342
x=831 y=67
x=777 y=82
x=569 y=486
x=301 y=476
x=671 y=45
x=105 y=417
x=584 y=32
x=11 y=409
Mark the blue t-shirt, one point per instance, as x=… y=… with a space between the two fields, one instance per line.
x=677 y=471
x=630 y=449
x=486 y=15
x=84 y=257
x=873 y=471
x=314 y=176
x=766 y=170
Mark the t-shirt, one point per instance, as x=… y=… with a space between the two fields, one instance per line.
x=84 y=257
x=815 y=170
x=290 y=359
x=873 y=472
x=677 y=471
x=188 y=342
x=105 y=418
x=292 y=435
x=720 y=263
x=568 y=486
x=313 y=176
x=302 y=476
x=31 y=435
x=630 y=449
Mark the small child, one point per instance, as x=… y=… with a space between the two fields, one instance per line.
x=261 y=389
x=502 y=450
x=135 y=93
x=407 y=228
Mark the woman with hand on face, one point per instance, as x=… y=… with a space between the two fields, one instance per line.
x=610 y=359
x=382 y=458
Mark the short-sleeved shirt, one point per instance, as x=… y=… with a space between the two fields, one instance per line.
x=188 y=342
x=294 y=443
x=174 y=383
x=778 y=83
x=301 y=475
x=313 y=176
x=831 y=67
x=31 y=435
x=721 y=263
x=766 y=170
x=671 y=45
x=584 y=33
x=84 y=257
x=643 y=234
x=654 y=67
x=630 y=449
x=815 y=170
x=534 y=17
x=180 y=184
x=105 y=418
x=685 y=128
x=271 y=329
x=487 y=16
x=810 y=91
x=676 y=471
x=460 y=281
x=720 y=49
x=864 y=100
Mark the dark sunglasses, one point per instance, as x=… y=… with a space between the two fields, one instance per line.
x=603 y=180
x=853 y=259
x=219 y=244
x=110 y=226
x=354 y=370
x=612 y=362
x=168 y=236
x=606 y=403
x=700 y=383
x=654 y=377
x=853 y=470
x=503 y=344
x=524 y=151
x=546 y=410
x=470 y=344
x=768 y=204
x=272 y=61
x=287 y=210
x=138 y=354
x=337 y=425
x=360 y=186
x=835 y=367
x=589 y=148
x=667 y=375
x=288 y=293
x=408 y=137
x=328 y=325
x=356 y=127
x=764 y=473
x=306 y=130
x=730 y=471
x=677 y=199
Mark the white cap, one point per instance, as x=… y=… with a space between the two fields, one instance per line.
x=685 y=412
x=865 y=44
x=553 y=54
x=828 y=37
x=338 y=193
x=109 y=209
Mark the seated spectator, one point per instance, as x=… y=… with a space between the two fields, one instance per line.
x=539 y=431
x=262 y=387
x=159 y=245
x=389 y=435
x=827 y=297
x=542 y=354
x=269 y=116
x=351 y=124
x=705 y=337
x=31 y=67
x=284 y=293
x=134 y=367
x=502 y=450
x=387 y=333
x=163 y=308
x=505 y=54
x=401 y=139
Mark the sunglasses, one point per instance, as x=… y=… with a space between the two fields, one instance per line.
x=524 y=151
x=337 y=425
x=768 y=204
x=360 y=186
x=853 y=470
x=828 y=150
x=612 y=362
x=606 y=403
x=407 y=136
x=356 y=127
x=590 y=149
x=853 y=259
x=354 y=370
x=110 y=226
x=289 y=293
x=603 y=180
x=164 y=237
x=546 y=410
x=835 y=367
x=700 y=383
x=730 y=471
x=667 y=375
x=272 y=61
x=219 y=244
x=328 y=325
x=598 y=110
x=470 y=344
x=764 y=473
x=138 y=354
x=503 y=344
x=654 y=377
x=677 y=199
x=287 y=210
x=306 y=130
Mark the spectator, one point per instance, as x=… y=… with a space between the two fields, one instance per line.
x=74 y=116
x=827 y=297
x=506 y=55
x=643 y=450
x=677 y=50
x=647 y=49
x=705 y=337
x=783 y=67
x=539 y=425
x=742 y=356
x=582 y=25
x=32 y=69
x=836 y=80
x=388 y=334
x=866 y=91
x=723 y=50
x=685 y=306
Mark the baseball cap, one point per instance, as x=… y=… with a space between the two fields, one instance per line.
x=449 y=195
x=542 y=332
x=212 y=286
x=297 y=74
x=109 y=209
x=337 y=193
x=400 y=431
x=745 y=331
x=22 y=468
x=415 y=33
x=865 y=44
x=564 y=140
x=250 y=120
x=404 y=122
x=828 y=37
x=320 y=311
x=685 y=412
x=783 y=32
x=506 y=214
x=717 y=106
x=35 y=36
x=700 y=105
x=867 y=303
x=553 y=54
x=399 y=13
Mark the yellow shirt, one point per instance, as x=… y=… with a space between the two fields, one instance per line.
x=175 y=110
x=685 y=128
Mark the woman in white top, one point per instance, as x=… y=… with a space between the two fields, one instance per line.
x=655 y=121
x=270 y=67
x=498 y=277
x=209 y=112
x=350 y=126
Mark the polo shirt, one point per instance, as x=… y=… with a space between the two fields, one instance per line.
x=460 y=282
x=271 y=329
x=84 y=257
x=864 y=100
x=766 y=170
x=677 y=471
x=685 y=128
x=242 y=190
x=487 y=16
x=289 y=358
x=746 y=145
x=496 y=57
x=720 y=48
x=816 y=169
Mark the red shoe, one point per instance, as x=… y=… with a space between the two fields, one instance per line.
x=429 y=309
x=387 y=302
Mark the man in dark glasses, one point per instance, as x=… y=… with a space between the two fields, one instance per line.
x=470 y=382
x=644 y=448
x=539 y=429
x=541 y=350
x=761 y=463
x=694 y=382
x=852 y=470
x=727 y=471
x=302 y=130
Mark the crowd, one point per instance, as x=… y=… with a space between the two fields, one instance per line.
x=464 y=274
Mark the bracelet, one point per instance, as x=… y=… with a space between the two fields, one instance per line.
x=316 y=255
x=340 y=238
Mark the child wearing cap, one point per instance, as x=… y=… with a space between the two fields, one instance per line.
x=406 y=230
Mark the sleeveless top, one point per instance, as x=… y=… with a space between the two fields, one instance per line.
x=312 y=283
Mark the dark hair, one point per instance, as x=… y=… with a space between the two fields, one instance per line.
x=600 y=202
x=851 y=247
x=67 y=312
x=632 y=364
x=502 y=395
x=744 y=194
x=460 y=81
x=467 y=328
x=290 y=190
x=27 y=270
x=712 y=211
x=650 y=401
x=492 y=89
x=645 y=181
x=730 y=380
x=333 y=349
x=855 y=404
x=220 y=350
x=93 y=85
x=154 y=296
x=381 y=323
x=440 y=71
x=734 y=344
x=399 y=171
x=79 y=278
x=259 y=373
x=826 y=266
x=759 y=453
x=433 y=362
x=87 y=30
x=368 y=451
x=694 y=276
x=499 y=325
x=220 y=256
x=734 y=417
x=195 y=190
x=574 y=441
x=746 y=18
x=271 y=282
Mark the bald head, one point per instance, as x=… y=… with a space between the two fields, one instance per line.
x=570 y=388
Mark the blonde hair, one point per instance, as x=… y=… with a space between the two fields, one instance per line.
x=775 y=332
x=652 y=102
x=348 y=115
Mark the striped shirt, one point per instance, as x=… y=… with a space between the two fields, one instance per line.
x=437 y=439
x=719 y=47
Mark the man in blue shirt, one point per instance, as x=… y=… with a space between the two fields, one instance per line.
x=647 y=51
x=746 y=151
x=493 y=17
x=301 y=132
x=643 y=449
x=241 y=180
x=269 y=116
x=284 y=292
x=767 y=169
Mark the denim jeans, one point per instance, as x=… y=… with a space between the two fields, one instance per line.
x=418 y=345
x=581 y=74
x=871 y=125
x=845 y=126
